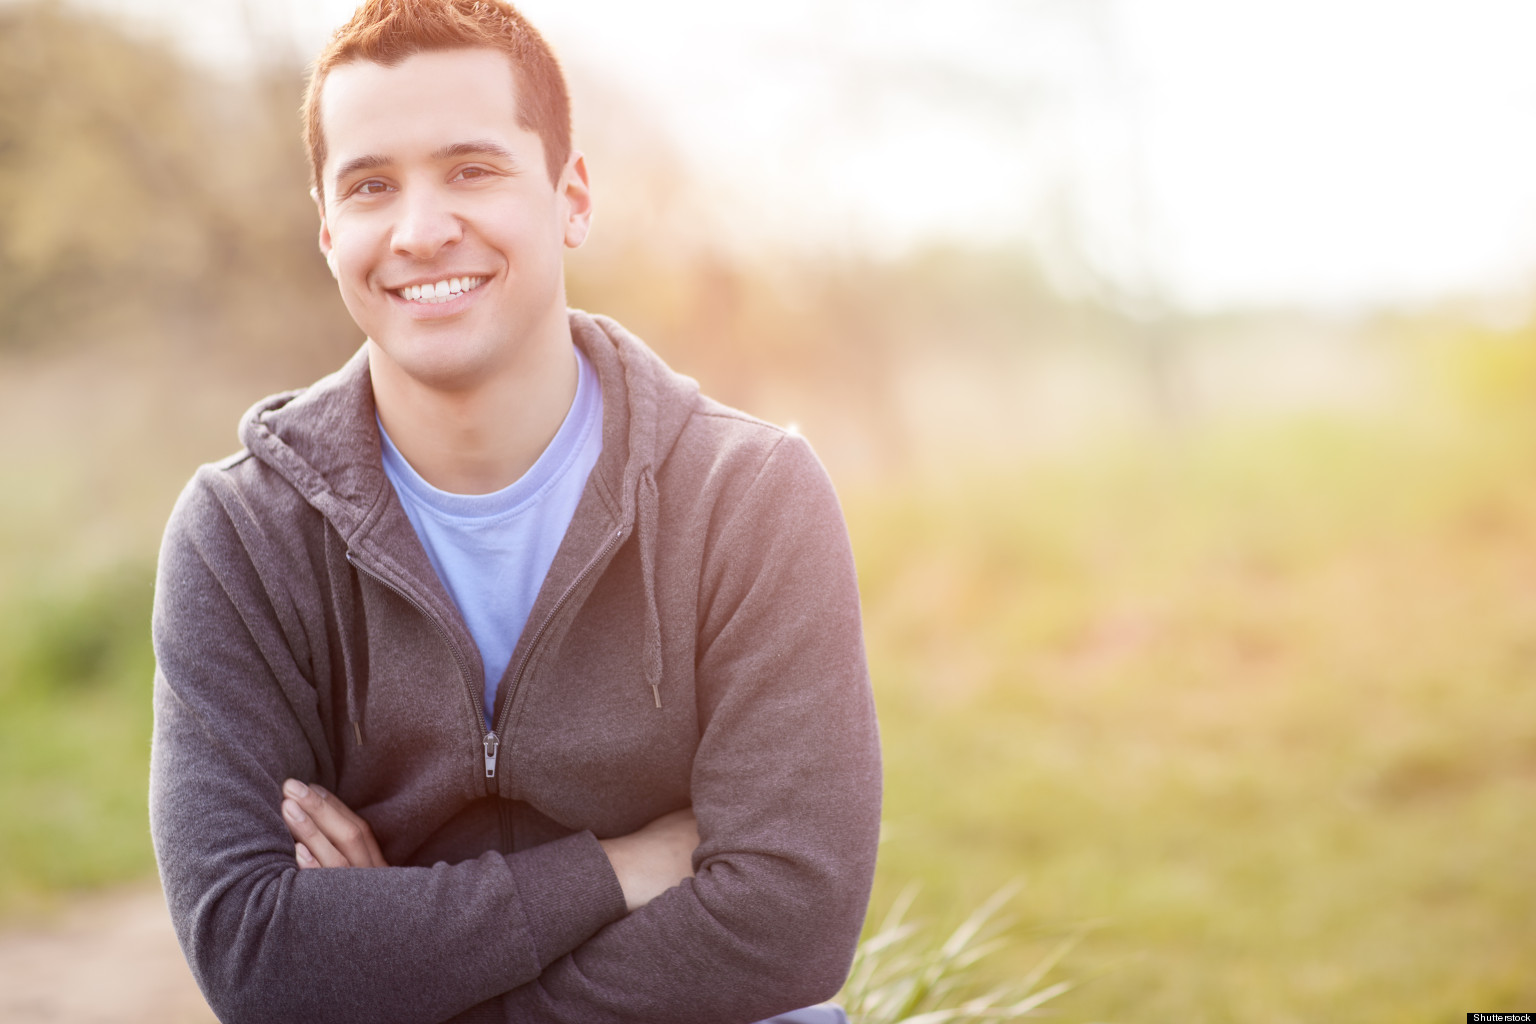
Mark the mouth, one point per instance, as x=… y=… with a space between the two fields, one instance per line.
x=435 y=292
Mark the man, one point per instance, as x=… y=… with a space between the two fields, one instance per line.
x=501 y=676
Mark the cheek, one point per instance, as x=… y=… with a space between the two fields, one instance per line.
x=352 y=280
x=353 y=265
x=354 y=245
x=351 y=273
x=363 y=314
x=523 y=231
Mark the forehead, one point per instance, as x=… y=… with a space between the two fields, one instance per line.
x=418 y=105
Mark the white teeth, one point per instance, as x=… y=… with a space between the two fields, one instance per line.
x=439 y=291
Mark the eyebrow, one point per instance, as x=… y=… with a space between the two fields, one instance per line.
x=361 y=163
x=475 y=147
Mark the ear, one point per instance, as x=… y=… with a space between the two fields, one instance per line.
x=576 y=191
x=325 y=234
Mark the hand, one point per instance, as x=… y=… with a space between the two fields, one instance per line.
x=655 y=858
x=326 y=833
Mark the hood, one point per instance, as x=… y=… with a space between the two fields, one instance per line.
x=323 y=440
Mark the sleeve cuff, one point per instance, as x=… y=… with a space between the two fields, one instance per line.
x=568 y=891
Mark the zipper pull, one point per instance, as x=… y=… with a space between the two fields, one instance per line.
x=491 y=743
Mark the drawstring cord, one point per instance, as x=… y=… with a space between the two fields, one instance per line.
x=344 y=629
x=646 y=528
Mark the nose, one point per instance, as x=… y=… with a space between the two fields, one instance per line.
x=427 y=223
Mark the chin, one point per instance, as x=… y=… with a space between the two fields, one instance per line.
x=440 y=367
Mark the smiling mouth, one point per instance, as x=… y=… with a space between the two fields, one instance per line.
x=439 y=291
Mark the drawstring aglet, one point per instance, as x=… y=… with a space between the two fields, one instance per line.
x=656 y=692
x=357 y=730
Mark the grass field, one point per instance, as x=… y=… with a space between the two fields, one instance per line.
x=1255 y=708
x=74 y=741
x=1253 y=705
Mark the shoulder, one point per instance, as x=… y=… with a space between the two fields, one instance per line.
x=240 y=523
x=307 y=454
x=755 y=498
x=726 y=451
x=237 y=494
x=728 y=434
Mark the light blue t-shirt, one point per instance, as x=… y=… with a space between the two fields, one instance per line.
x=492 y=551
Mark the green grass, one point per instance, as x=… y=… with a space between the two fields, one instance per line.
x=75 y=679
x=1255 y=706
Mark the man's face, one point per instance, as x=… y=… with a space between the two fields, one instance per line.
x=439 y=219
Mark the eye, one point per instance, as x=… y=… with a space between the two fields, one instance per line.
x=371 y=187
x=471 y=173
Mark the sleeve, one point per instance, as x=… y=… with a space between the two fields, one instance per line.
x=234 y=716
x=786 y=786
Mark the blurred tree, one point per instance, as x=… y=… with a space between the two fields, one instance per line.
x=141 y=197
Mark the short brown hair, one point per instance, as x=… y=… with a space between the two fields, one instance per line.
x=388 y=31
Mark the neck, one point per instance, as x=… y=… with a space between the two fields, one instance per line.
x=482 y=437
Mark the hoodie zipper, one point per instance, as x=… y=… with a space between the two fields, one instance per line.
x=504 y=699
x=489 y=743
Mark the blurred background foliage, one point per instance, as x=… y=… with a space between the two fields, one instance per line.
x=1215 y=631
x=142 y=198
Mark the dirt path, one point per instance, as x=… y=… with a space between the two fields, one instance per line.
x=109 y=959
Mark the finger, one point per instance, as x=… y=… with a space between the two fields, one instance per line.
x=304 y=857
x=346 y=831
x=303 y=828
x=370 y=843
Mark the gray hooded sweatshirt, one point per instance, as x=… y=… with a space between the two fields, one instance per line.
x=696 y=642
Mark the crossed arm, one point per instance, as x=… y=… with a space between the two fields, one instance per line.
x=329 y=834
